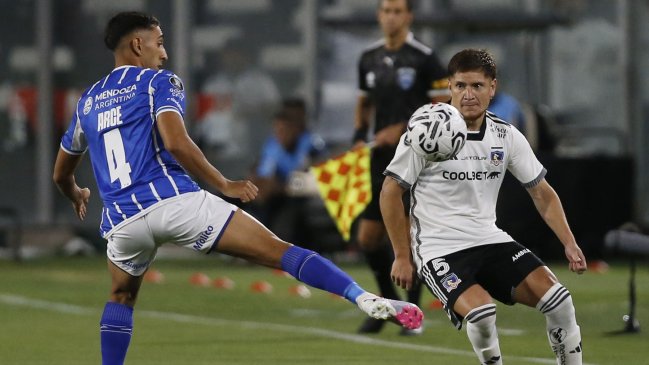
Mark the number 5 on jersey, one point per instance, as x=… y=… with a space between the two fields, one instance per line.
x=118 y=167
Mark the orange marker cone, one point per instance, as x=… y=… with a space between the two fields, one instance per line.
x=300 y=290
x=223 y=282
x=435 y=304
x=153 y=276
x=199 y=279
x=279 y=272
x=261 y=286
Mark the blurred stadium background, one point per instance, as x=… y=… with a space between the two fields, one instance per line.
x=580 y=69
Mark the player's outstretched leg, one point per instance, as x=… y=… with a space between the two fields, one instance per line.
x=316 y=271
x=481 y=329
x=563 y=332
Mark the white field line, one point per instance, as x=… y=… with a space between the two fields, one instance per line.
x=20 y=301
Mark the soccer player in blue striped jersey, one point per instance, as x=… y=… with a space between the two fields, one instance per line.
x=131 y=122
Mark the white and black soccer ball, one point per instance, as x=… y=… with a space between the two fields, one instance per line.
x=436 y=131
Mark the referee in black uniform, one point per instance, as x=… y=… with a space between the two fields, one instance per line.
x=396 y=75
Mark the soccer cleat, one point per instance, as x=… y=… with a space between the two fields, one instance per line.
x=405 y=314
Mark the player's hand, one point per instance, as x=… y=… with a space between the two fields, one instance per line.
x=403 y=273
x=80 y=202
x=576 y=259
x=242 y=189
x=358 y=144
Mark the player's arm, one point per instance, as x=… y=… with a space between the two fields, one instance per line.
x=362 y=115
x=397 y=225
x=191 y=158
x=548 y=204
x=64 y=168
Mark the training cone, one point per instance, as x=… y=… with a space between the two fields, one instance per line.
x=153 y=276
x=278 y=272
x=598 y=266
x=223 y=282
x=435 y=304
x=300 y=290
x=261 y=287
x=199 y=279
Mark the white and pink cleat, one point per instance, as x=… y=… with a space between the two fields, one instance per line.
x=405 y=314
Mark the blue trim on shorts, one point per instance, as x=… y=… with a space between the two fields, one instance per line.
x=225 y=226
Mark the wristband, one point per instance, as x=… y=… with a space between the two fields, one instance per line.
x=360 y=135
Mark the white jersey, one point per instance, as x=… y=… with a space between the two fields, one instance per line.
x=453 y=203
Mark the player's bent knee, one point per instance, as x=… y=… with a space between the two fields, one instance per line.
x=557 y=301
x=530 y=291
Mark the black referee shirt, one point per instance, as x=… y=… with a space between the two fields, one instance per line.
x=399 y=82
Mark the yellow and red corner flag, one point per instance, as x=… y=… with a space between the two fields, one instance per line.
x=345 y=186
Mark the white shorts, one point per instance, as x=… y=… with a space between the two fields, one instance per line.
x=194 y=220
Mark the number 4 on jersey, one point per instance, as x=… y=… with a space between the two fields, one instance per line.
x=118 y=167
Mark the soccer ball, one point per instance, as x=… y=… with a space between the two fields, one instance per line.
x=436 y=131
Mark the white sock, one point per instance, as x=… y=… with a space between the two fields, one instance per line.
x=563 y=331
x=481 y=329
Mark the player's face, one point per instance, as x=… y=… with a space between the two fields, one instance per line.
x=152 y=45
x=471 y=93
x=394 y=17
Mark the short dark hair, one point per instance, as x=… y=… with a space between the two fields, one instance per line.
x=294 y=103
x=473 y=60
x=290 y=117
x=124 y=23
x=409 y=4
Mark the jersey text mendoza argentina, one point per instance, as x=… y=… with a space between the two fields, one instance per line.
x=115 y=120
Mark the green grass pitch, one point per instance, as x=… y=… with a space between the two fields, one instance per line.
x=50 y=309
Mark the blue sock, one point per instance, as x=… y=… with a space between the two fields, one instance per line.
x=116 y=327
x=318 y=272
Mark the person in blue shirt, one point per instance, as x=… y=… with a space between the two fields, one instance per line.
x=506 y=107
x=290 y=148
x=131 y=122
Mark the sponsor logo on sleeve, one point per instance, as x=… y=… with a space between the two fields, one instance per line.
x=175 y=81
x=370 y=79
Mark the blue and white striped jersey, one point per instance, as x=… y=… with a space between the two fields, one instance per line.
x=115 y=120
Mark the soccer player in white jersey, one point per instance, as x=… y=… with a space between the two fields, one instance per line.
x=131 y=122
x=452 y=240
